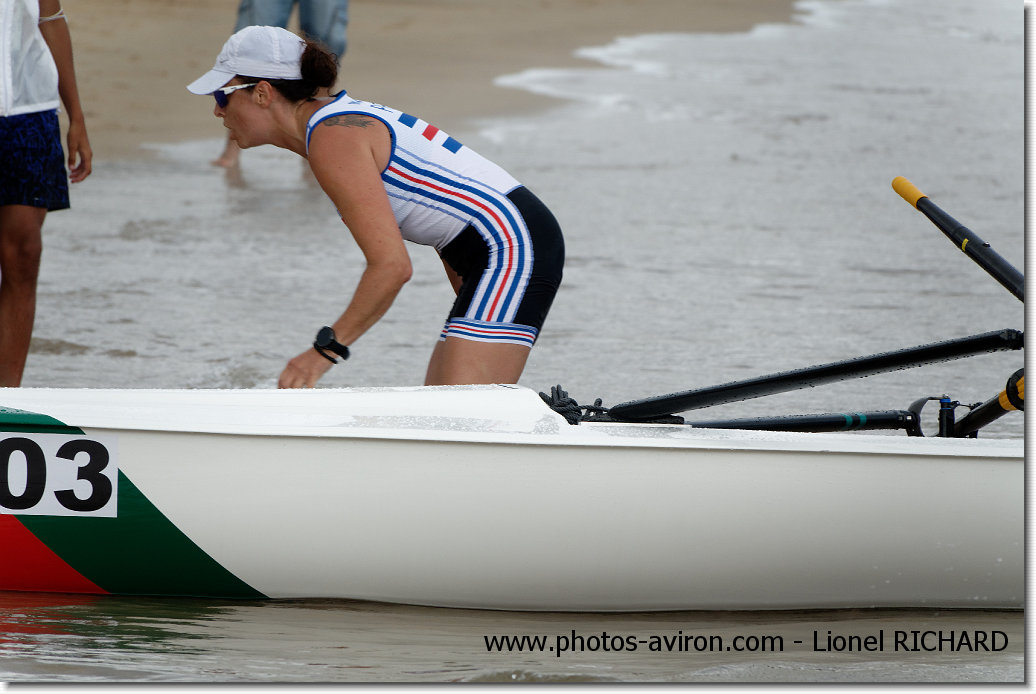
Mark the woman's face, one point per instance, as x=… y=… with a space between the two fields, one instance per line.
x=240 y=115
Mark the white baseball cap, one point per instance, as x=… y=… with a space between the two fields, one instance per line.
x=267 y=52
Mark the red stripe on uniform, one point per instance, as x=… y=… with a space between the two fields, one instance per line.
x=430 y=132
x=467 y=328
x=29 y=564
x=507 y=267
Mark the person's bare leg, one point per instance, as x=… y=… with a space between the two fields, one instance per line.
x=456 y=361
x=231 y=156
x=21 y=245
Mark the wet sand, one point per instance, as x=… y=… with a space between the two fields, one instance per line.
x=437 y=58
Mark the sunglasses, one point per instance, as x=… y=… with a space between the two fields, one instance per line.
x=222 y=95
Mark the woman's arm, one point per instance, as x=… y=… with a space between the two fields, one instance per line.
x=59 y=41
x=345 y=160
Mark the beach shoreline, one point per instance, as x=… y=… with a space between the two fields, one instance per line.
x=435 y=58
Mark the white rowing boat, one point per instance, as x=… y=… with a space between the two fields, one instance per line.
x=483 y=497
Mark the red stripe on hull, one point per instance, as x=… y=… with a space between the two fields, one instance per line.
x=31 y=565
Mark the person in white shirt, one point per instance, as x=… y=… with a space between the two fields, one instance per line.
x=36 y=75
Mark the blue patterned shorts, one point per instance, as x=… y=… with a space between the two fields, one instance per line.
x=32 y=161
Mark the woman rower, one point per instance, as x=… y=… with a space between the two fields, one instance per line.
x=394 y=177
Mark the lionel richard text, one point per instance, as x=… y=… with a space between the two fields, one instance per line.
x=902 y=640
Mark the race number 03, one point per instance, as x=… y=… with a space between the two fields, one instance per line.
x=58 y=475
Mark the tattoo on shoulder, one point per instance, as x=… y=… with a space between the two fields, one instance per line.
x=349 y=120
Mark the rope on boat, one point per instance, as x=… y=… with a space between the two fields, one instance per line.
x=572 y=411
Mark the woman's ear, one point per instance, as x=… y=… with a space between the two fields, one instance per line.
x=263 y=93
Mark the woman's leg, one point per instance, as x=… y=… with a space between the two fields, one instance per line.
x=20 y=248
x=456 y=361
x=484 y=342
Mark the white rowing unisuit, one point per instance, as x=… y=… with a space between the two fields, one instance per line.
x=437 y=188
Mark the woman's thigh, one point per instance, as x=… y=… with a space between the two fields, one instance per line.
x=456 y=361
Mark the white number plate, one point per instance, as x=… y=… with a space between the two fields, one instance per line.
x=58 y=475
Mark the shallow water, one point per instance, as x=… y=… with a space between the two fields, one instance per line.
x=728 y=214
x=727 y=207
x=91 y=639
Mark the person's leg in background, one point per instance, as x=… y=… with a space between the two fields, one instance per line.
x=272 y=13
x=326 y=21
x=21 y=246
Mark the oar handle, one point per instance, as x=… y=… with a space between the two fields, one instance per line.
x=965 y=239
x=907 y=190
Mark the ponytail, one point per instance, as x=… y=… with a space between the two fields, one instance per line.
x=319 y=65
x=319 y=68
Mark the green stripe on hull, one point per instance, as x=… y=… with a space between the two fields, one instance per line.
x=140 y=552
x=24 y=422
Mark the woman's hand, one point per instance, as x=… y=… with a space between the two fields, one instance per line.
x=304 y=370
x=80 y=155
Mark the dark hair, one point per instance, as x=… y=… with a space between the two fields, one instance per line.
x=319 y=68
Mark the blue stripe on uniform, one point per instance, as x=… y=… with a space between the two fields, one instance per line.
x=484 y=224
x=503 y=208
x=521 y=249
x=483 y=331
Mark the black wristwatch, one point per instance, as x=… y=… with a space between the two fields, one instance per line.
x=326 y=341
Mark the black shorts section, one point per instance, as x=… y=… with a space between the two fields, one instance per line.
x=468 y=255
x=32 y=162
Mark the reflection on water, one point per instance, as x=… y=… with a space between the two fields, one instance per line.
x=57 y=638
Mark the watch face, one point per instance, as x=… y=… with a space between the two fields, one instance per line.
x=325 y=337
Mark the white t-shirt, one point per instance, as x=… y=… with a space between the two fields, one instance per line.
x=28 y=75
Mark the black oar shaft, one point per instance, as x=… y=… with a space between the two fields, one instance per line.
x=996 y=341
x=819 y=423
x=968 y=241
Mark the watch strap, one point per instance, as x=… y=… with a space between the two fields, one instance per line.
x=324 y=354
x=326 y=340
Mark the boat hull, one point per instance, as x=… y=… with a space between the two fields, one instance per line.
x=589 y=518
